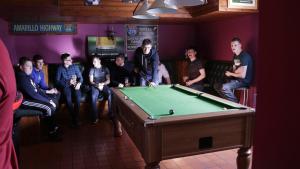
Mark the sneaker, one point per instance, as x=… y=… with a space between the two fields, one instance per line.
x=95 y=121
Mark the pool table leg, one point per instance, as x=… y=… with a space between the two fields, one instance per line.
x=154 y=165
x=244 y=158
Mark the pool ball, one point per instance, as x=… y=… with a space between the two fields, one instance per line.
x=171 y=111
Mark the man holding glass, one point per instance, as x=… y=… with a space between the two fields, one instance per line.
x=68 y=80
x=241 y=74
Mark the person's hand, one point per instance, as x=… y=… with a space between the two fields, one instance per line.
x=152 y=84
x=228 y=74
x=72 y=82
x=77 y=86
x=55 y=91
x=52 y=91
x=189 y=83
x=100 y=86
x=120 y=85
x=52 y=103
x=49 y=91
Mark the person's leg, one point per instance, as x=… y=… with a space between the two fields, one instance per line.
x=227 y=90
x=116 y=124
x=218 y=88
x=142 y=81
x=198 y=87
x=77 y=94
x=48 y=112
x=55 y=98
x=94 y=97
x=67 y=92
x=108 y=95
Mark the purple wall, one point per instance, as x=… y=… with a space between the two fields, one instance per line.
x=9 y=42
x=213 y=38
x=51 y=46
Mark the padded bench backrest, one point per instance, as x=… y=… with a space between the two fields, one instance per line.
x=215 y=71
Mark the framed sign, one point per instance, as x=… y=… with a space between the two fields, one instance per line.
x=135 y=34
x=43 y=28
x=243 y=4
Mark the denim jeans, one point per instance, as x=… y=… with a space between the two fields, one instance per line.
x=198 y=87
x=74 y=110
x=95 y=93
x=226 y=90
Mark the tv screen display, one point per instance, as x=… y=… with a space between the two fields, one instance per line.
x=105 y=46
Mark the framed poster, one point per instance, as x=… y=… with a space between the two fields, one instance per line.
x=243 y=4
x=135 y=34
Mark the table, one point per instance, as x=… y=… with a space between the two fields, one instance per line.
x=201 y=123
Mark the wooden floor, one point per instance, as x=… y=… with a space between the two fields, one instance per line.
x=94 y=147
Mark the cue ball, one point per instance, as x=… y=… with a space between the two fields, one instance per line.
x=171 y=111
x=224 y=108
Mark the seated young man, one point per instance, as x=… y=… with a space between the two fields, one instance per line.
x=241 y=74
x=38 y=76
x=121 y=73
x=69 y=79
x=36 y=98
x=196 y=72
x=99 y=77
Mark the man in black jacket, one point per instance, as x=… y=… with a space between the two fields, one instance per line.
x=146 y=63
x=121 y=73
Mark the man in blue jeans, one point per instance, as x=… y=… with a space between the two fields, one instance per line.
x=241 y=74
x=68 y=80
x=146 y=63
x=99 y=77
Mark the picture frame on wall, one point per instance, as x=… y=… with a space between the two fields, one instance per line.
x=243 y=4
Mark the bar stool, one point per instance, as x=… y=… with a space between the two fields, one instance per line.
x=244 y=92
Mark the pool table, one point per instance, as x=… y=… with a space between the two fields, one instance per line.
x=169 y=121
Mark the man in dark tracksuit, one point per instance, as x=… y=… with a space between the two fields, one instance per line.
x=36 y=98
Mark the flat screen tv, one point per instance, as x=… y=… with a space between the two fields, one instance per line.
x=105 y=46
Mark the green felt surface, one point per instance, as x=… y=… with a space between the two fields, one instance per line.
x=158 y=101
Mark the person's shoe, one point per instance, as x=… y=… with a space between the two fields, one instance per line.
x=95 y=121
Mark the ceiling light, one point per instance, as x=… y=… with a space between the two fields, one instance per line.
x=160 y=7
x=142 y=13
